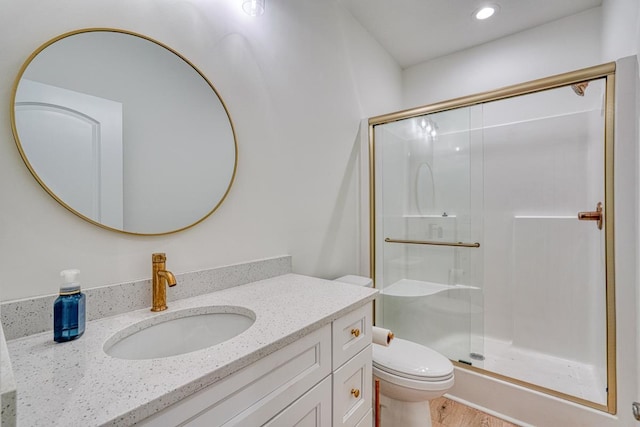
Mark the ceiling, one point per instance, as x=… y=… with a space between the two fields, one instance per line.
x=414 y=31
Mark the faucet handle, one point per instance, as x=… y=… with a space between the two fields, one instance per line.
x=159 y=257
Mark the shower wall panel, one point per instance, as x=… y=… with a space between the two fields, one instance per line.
x=553 y=282
x=542 y=157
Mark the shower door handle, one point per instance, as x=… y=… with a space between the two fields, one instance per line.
x=593 y=215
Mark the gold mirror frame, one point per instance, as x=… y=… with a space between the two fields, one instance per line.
x=52 y=193
x=606 y=71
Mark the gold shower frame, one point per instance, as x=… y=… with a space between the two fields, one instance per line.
x=606 y=71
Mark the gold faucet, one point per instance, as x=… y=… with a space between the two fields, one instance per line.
x=160 y=276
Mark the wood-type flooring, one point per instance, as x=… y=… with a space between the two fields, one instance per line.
x=448 y=413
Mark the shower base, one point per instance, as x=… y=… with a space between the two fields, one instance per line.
x=563 y=375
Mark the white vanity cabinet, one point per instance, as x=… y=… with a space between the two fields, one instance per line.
x=322 y=379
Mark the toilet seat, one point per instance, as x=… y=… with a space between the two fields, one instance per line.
x=411 y=361
x=412 y=390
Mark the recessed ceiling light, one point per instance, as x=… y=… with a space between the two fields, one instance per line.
x=485 y=12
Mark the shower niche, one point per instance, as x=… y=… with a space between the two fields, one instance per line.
x=486 y=245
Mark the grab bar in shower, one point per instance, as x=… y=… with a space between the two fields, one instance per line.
x=433 y=243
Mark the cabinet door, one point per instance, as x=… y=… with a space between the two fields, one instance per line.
x=367 y=420
x=312 y=410
x=352 y=390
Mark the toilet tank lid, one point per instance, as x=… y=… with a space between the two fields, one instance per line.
x=356 y=280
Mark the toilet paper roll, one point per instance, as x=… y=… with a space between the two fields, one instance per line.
x=382 y=336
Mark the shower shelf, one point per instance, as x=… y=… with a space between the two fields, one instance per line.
x=419 y=288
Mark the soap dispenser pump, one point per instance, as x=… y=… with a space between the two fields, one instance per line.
x=69 y=308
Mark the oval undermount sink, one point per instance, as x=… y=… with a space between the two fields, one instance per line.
x=179 y=332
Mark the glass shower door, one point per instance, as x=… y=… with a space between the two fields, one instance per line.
x=493 y=233
x=544 y=161
x=428 y=221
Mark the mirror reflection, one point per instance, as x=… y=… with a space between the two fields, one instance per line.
x=124 y=131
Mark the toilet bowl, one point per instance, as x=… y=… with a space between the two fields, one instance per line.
x=410 y=375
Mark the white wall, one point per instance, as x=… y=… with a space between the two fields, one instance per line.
x=620 y=38
x=296 y=82
x=560 y=46
x=620 y=28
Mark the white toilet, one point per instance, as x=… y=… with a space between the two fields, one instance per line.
x=410 y=375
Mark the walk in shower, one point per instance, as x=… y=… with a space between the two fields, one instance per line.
x=492 y=232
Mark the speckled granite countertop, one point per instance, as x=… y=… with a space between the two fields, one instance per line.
x=77 y=384
x=7 y=385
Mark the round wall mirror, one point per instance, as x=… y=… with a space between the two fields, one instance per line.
x=123 y=131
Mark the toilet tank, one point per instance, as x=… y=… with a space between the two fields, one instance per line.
x=356 y=280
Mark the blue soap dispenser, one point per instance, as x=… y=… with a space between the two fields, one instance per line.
x=69 y=308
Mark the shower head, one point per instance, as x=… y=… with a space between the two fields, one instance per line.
x=579 y=88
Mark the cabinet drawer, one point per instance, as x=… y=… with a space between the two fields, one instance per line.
x=253 y=395
x=352 y=333
x=352 y=389
x=312 y=409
